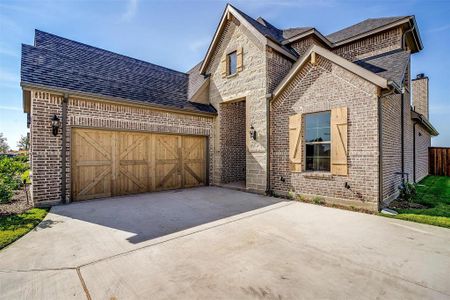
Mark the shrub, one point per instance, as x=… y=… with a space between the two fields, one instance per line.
x=407 y=191
x=6 y=190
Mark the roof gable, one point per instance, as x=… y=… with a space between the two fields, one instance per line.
x=266 y=35
x=313 y=50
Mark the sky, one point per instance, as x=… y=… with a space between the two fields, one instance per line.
x=176 y=34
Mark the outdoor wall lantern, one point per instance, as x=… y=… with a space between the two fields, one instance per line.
x=252 y=133
x=55 y=125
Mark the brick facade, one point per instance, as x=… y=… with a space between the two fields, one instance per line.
x=376 y=44
x=85 y=112
x=233 y=140
x=420 y=96
x=241 y=102
x=322 y=87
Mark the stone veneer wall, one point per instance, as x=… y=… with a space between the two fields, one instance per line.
x=84 y=112
x=249 y=84
x=420 y=96
x=232 y=140
x=318 y=88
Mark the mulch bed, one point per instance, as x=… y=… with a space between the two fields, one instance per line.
x=402 y=204
x=17 y=205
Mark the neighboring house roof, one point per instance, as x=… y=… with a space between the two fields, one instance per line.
x=390 y=65
x=361 y=27
x=63 y=64
x=354 y=68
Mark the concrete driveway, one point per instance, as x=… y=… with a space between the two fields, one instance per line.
x=214 y=243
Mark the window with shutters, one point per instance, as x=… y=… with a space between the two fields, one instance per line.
x=317 y=141
x=232 y=63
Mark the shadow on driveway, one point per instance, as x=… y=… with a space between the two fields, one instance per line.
x=153 y=215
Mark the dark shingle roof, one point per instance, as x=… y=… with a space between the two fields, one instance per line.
x=291 y=32
x=390 y=65
x=360 y=28
x=65 y=64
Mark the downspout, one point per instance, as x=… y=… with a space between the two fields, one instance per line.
x=268 y=187
x=380 y=152
x=64 y=148
x=402 y=128
x=414 y=151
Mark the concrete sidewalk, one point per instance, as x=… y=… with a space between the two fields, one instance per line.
x=216 y=243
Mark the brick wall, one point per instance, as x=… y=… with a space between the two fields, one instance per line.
x=232 y=140
x=423 y=142
x=277 y=68
x=85 y=112
x=322 y=87
x=249 y=84
x=302 y=45
x=391 y=145
x=383 y=42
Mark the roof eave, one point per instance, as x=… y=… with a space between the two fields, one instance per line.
x=373 y=31
x=29 y=86
x=424 y=122
x=302 y=35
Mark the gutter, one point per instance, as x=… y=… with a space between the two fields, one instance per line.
x=123 y=101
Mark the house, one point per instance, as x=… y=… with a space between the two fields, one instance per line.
x=268 y=110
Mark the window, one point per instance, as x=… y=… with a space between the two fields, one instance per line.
x=232 y=63
x=317 y=141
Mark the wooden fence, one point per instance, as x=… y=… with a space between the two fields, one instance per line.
x=439 y=161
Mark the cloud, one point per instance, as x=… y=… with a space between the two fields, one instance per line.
x=439 y=29
x=14 y=108
x=131 y=10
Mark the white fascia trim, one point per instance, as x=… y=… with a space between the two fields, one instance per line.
x=354 y=68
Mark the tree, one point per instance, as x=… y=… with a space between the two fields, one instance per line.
x=4 y=147
x=24 y=142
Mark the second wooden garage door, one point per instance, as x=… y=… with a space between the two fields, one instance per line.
x=110 y=163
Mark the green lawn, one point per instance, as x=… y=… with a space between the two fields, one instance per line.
x=434 y=193
x=15 y=226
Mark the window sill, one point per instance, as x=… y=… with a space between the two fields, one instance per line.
x=318 y=175
x=232 y=75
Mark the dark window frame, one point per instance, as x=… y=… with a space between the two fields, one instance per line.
x=316 y=157
x=232 y=63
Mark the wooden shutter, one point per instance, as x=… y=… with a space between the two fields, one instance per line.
x=295 y=143
x=239 y=59
x=339 y=141
x=224 y=65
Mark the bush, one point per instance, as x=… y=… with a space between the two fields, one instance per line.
x=6 y=191
x=407 y=191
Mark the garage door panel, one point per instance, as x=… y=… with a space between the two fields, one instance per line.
x=109 y=163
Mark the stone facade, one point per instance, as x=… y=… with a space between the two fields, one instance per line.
x=420 y=95
x=322 y=87
x=249 y=84
x=85 y=112
x=232 y=141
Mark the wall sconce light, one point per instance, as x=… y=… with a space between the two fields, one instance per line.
x=55 y=125
x=252 y=133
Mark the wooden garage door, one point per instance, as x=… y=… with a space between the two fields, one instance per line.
x=111 y=163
